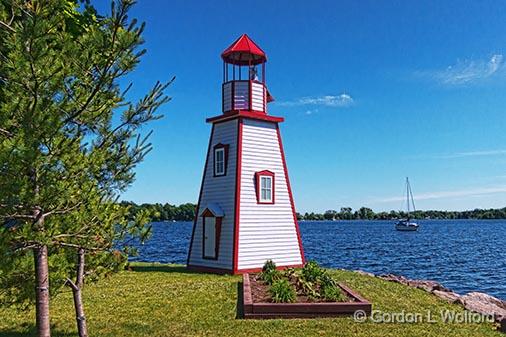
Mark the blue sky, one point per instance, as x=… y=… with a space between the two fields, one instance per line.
x=371 y=92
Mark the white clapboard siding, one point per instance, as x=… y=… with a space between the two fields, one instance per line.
x=241 y=95
x=266 y=231
x=240 y=90
x=227 y=96
x=220 y=190
x=257 y=96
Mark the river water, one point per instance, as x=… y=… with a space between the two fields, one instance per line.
x=464 y=255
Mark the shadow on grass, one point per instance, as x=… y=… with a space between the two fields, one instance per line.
x=30 y=330
x=239 y=313
x=163 y=268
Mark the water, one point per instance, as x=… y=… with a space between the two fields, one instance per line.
x=464 y=255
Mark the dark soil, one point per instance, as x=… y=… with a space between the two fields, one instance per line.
x=260 y=292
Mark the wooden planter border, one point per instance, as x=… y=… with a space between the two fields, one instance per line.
x=302 y=310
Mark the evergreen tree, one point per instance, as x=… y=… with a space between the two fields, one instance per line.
x=64 y=158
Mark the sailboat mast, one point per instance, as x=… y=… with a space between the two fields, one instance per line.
x=407 y=194
x=412 y=199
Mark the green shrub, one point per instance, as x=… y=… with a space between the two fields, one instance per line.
x=269 y=265
x=311 y=271
x=270 y=276
x=290 y=272
x=282 y=292
x=332 y=294
x=307 y=288
x=327 y=281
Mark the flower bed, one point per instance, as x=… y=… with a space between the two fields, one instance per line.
x=306 y=292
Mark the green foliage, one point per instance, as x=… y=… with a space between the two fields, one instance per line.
x=327 y=281
x=332 y=294
x=312 y=271
x=270 y=276
x=269 y=266
x=365 y=213
x=269 y=272
x=166 y=212
x=282 y=292
x=70 y=139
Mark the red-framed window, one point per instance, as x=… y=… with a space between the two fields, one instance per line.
x=211 y=232
x=265 y=187
x=220 y=159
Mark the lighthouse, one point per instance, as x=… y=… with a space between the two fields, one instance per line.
x=245 y=213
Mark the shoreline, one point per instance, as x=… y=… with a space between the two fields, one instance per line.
x=477 y=302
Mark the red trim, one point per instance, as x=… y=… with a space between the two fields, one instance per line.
x=258 y=187
x=237 y=195
x=257 y=270
x=217 y=234
x=260 y=115
x=204 y=269
x=291 y=196
x=200 y=197
x=225 y=159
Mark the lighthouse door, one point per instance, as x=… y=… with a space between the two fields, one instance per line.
x=210 y=237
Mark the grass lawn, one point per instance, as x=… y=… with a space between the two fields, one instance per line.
x=165 y=300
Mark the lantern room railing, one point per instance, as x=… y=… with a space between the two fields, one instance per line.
x=250 y=95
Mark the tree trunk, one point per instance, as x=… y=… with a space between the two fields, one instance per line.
x=76 y=290
x=42 y=291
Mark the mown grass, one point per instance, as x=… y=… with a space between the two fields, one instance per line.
x=165 y=300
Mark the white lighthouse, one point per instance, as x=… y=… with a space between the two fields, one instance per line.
x=245 y=213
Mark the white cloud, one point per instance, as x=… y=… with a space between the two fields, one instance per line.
x=450 y=194
x=334 y=101
x=311 y=111
x=474 y=154
x=482 y=153
x=466 y=71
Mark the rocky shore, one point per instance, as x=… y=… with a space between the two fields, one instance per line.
x=474 y=301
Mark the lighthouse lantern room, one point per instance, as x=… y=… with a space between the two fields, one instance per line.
x=245 y=213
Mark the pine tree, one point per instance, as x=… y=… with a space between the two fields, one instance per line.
x=64 y=156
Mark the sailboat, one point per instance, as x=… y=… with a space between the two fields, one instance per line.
x=407 y=225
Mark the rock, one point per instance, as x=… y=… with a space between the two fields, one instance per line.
x=427 y=285
x=503 y=325
x=448 y=296
x=361 y=272
x=484 y=304
x=394 y=278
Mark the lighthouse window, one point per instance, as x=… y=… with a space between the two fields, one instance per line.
x=220 y=160
x=265 y=187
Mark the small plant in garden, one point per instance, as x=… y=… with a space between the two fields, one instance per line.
x=307 y=288
x=270 y=273
x=282 y=292
x=332 y=294
x=311 y=271
x=327 y=281
x=271 y=276
x=290 y=272
x=269 y=265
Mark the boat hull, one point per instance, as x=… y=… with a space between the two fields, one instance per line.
x=406 y=226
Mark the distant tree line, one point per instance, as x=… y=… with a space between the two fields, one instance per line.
x=365 y=213
x=186 y=212
x=165 y=212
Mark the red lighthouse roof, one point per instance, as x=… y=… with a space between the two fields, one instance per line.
x=244 y=52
